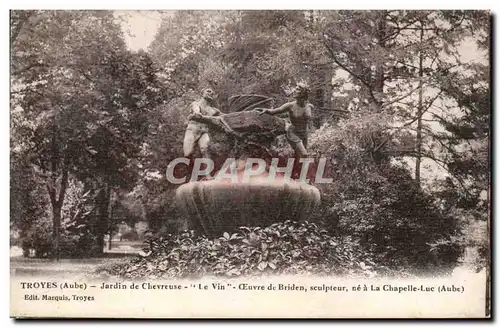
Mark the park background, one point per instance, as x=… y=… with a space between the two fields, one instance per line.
x=411 y=153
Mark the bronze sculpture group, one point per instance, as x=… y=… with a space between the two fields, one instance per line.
x=196 y=131
x=249 y=191
x=296 y=129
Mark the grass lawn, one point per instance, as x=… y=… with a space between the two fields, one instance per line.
x=122 y=251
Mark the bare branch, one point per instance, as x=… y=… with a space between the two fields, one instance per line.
x=400 y=98
x=344 y=67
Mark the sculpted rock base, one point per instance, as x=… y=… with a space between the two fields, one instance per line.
x=214 y=207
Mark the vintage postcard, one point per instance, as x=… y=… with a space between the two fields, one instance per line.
x=250 y=164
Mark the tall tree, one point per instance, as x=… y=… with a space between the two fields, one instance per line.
x=82 y=96
x=400 y=61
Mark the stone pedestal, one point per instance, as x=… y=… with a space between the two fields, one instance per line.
x=217 y=206
x=214 y=207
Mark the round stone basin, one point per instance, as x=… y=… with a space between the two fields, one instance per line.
x=214 y=207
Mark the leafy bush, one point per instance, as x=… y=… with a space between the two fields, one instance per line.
x=76 y=234
x=282 y=248
x=39 y=238
x=399 y=222
x=475 y=238
x=75 y=240
x=376 y=200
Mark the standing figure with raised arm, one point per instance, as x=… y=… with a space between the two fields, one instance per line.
x=300 y=114
x=197 y=132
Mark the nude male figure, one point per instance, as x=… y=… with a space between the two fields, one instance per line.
x=197 y=132
x=300 y=114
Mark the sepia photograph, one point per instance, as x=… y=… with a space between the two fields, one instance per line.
x=250 y=163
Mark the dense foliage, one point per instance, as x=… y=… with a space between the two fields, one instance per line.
x=282 y=248
x=379 y=203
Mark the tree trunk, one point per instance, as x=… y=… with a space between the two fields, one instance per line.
x=57 y=200
x=57 y=203
x=380 y=65
x=328 y=87
x=110 y=220
x=420 y=108
x=102 y=226
x=109 y=243
x=56 y=215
